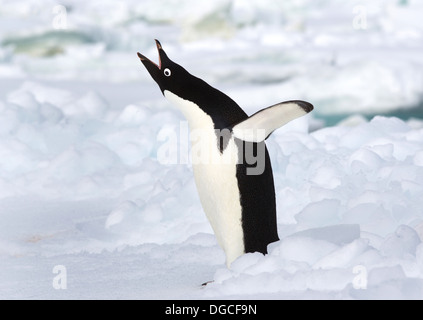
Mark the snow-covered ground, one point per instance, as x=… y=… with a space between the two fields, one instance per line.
x=84 y=196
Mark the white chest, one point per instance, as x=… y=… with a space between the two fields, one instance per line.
x=215 y=177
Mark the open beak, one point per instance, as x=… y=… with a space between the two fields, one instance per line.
x=147 y=62
x=154 y=69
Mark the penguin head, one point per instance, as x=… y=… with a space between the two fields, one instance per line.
x=173 y=78
x=167 y=74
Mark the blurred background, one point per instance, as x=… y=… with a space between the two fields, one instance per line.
x=346 y=57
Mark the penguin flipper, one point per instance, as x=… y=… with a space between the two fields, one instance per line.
x=260 y=125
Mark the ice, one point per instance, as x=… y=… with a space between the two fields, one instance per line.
x=343 y=256
x=404 y=241
x=337 y=234
x=41 y=94
x=85 y=180
x=347 y=199
x=303 y=249
x=418 y=158
x=320 y=213
x=89 y=105
x=380 y=275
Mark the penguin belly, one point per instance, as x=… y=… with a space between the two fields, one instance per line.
x=215 y=175
x=218 y=189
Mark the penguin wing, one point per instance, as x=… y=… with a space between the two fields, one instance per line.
x=260 y=125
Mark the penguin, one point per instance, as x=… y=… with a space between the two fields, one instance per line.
x=232 y=168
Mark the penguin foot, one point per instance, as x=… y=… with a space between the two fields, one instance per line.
x=206 y=283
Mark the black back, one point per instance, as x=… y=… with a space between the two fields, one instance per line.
x=258 y=202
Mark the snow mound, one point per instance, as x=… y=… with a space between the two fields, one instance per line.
x=348 y=200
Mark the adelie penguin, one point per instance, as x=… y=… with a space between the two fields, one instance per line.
x=234 y=179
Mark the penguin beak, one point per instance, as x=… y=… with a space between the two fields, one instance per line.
x=155 y=69
x=147 y=62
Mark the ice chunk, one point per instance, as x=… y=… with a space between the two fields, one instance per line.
x=42 y=94
x=327 y=177
x=368 y=158
x=343 y=256
x=418 y=159
x=91 y=104
x=152 y=213
x=352 y=121
x=303 y=249
x=9 y=118
x=133 y=115
x=401 y=243
x=372 y=217
x=246 y=261
x=121 y=212
x=419 y=257
x=320 y=213
x=338 y=234
x=389 y=125
x=385 y=151
x=24 y=99
x=51 y=113
x=380 y=275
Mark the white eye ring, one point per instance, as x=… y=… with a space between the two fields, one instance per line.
x=167 y=72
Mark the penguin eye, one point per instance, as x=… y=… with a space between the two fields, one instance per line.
x=167 y=72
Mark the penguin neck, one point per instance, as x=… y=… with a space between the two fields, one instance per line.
x=197 y=118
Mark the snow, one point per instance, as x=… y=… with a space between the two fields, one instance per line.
x=86 y=182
